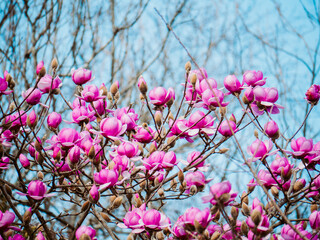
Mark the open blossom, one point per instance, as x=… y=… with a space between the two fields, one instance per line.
x=127 y=116
x=199 y=120
x=90 y=232
x=32 y=96
x=313 y=94
x=220 y=193
x=6 y=219
x=254 y=78
x=281 y=166
x=160 y=96
x=81 y=114
x=54 y=119
x=107 y=178
x=155 y=220
x=112 y=127
x=265 y=99
x=68 y=137
x=81 y=76
x=195 y=157
x=37 y=190
x=46 y=83
x=203 y=85
x=4 y=162
x=159 y=159
x=143 y=135
x=314 y=220
x=301 y=147
x=196 y=178
x=99 y=107
x=4 y=86
x=201 y=74
x=94 y=193
x=227 y=129
x=266 y=178
x=129 y=149
x=180 y=128
x=288 y=233
x=91 y=93
x=213 y=98
x=133 y=219
x=259 y=149
x=232 y=84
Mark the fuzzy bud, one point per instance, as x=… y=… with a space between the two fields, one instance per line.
x=187 y=67
x=85 y=237
x=298 y=185
x=105 y=217
x=193 y=79
x=223 y=111
x=27 y=215
x=275 y=191
x=256 y=134
x=313 y=207
x=11 y=84
x=180 y=176
x=160 y=236
x=117 y=202
x=42 y=72
x=215 y=236
x=234 y=212
x=173 y=184
x=143 y=87
x=223 y=150
x=114 y=88
x=40 y=175
x=244 y=228
x=54 y=64
x=245 y=209
x=92 y=153
x=158 y=118
x=161 y=192
x=256 y=216
x=85 y=206
x=244 y=198
x=193 y=189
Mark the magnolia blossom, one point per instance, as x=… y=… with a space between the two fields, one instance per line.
x=228 y=128
x=153 y=219
x=39 y=66
x=265 y=99
x=160 y=96
x=37 y=190
x=213 y=98
x=127 y=116
x=24 y=161
x=159 y=159
x=271 y=129
x=301 y=147
x=90 y=232
x=254 y=78
x=107 y=178
x=204 y=123
x=220 y=193
x=281 y=167
x=4 y=86
x=81 y=76
x=4 y=162
x=46 y=83
x=54 y=119
x=81 y=114
x=314 y=220
x=133 y=219
x=203 y=85
x=313 y=94
x=6 y=219
x=91 y=93
x=259 y=149
x=143 y=135
x=32 y=96
x=180 y=128
x=112 y=127
x=68 y=137
x=94 y=193
x=232 y=84
x=129 y=149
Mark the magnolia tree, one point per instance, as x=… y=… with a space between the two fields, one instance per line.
x=115 y=173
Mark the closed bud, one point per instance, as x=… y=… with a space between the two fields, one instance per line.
x=152 y=148
x=117 y=142
x=58 y=156
x=244 y=198
x=40 y=175
x=233 y=118
x=193 y=189
x=256 y=134
x=27 y=215
x=54 y=64
x=215 y=236
x=180 y=176
x=181 y=189
x=138 y=202
x=8 y=77
x=187 y=67
x=171 y=141
x=42 y=72
x=223 y=111
x=193 y=79
x=160 y=236
x=313 y=207
x=109 y=96
x=256 y=216
x=105 y=217
x=298 y=185
x=37 y=146
x=143 y=87
x=275 y=191
x=12 y=107
x=214 y=209
x=171 y=116
x=250 y=189
x=170 y=102
x=217 y=216
x=161 y=192
x=114 y=88
x=117 y=202
x=143 y=184
x=245 y=209
x=173 y=184
x=199 y=228
x=117 y=96
x=11 y=84
x=85 y=206
x=234 y=212
x=158 y=118
x=156 y=181
x=244 y=228
x=92 y=153
x=85 y=237
x=224 y=197
x=223 y=150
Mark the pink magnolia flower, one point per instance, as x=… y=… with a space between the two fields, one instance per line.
x=248 y=95
x=37 y=190
x=68 y=137
x=4 y=86
x=121 y=163
x=301 y=147
x=46 y=83
x=40 y=236
x=32 y=119
x=199 y=121
x=281 y=167
x=196 y=178
x=267 y=179
x=159 y=159
x=271 y=128
x=32 y=96
x=78 y=102
x=160 y=96
x=180 y=128
x=91 y=93
x=142 y=135
x=195 y=214
x=228 y=233
x=265 y=99
x=202 y=86
x=54 y=119
x=220 y=192
x=129 y=149
x=127 y=116
x=99 y=106
x=232 y=84
x=16 y=237
x=195 y=157
x=213 y=98
x=253 y=78
x=313 y=94
x=201 y=74
x=112 y=127
x=81 y=76
x=94 y=193
x=153 y=219
x=24 y=161
x=259 y=149
x=90 y=232
x=106 y=178
x=133 y=219
x=263 y=225
x=39 y=66
x=227 y=129
x=18 y=119
x=4 y=162
x=74 y=154
x=314 y=220
x=289 y=234
x=81 y=114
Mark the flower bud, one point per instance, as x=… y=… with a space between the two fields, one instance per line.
x=193 y=189
x=105 y=217
x=54 y=64
x=161 y=192
x=187 y=67
x=94 y=194
x=160 y=236
x=40 y=175
x=42 y=72
x=85 y=206
x=256 y=216
x=275 y=191
x=234 y=212
x=272 y=130
x=85 y=237
x=298 y=185
x=245 y=209
x=8 y=77
x=215 y=235
x=27 y=216
x=92 y=153
x=24 y=161
x=313 y=207
x=173 y=184
x=223 y=150
x=114 y=88
x=193 y=79
x=32 y=120
x=244 y=228
x=143 y=87
x=180 y=176
x=117 y=202
x=11 y=84
x=223 y=111
x=158 y=118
